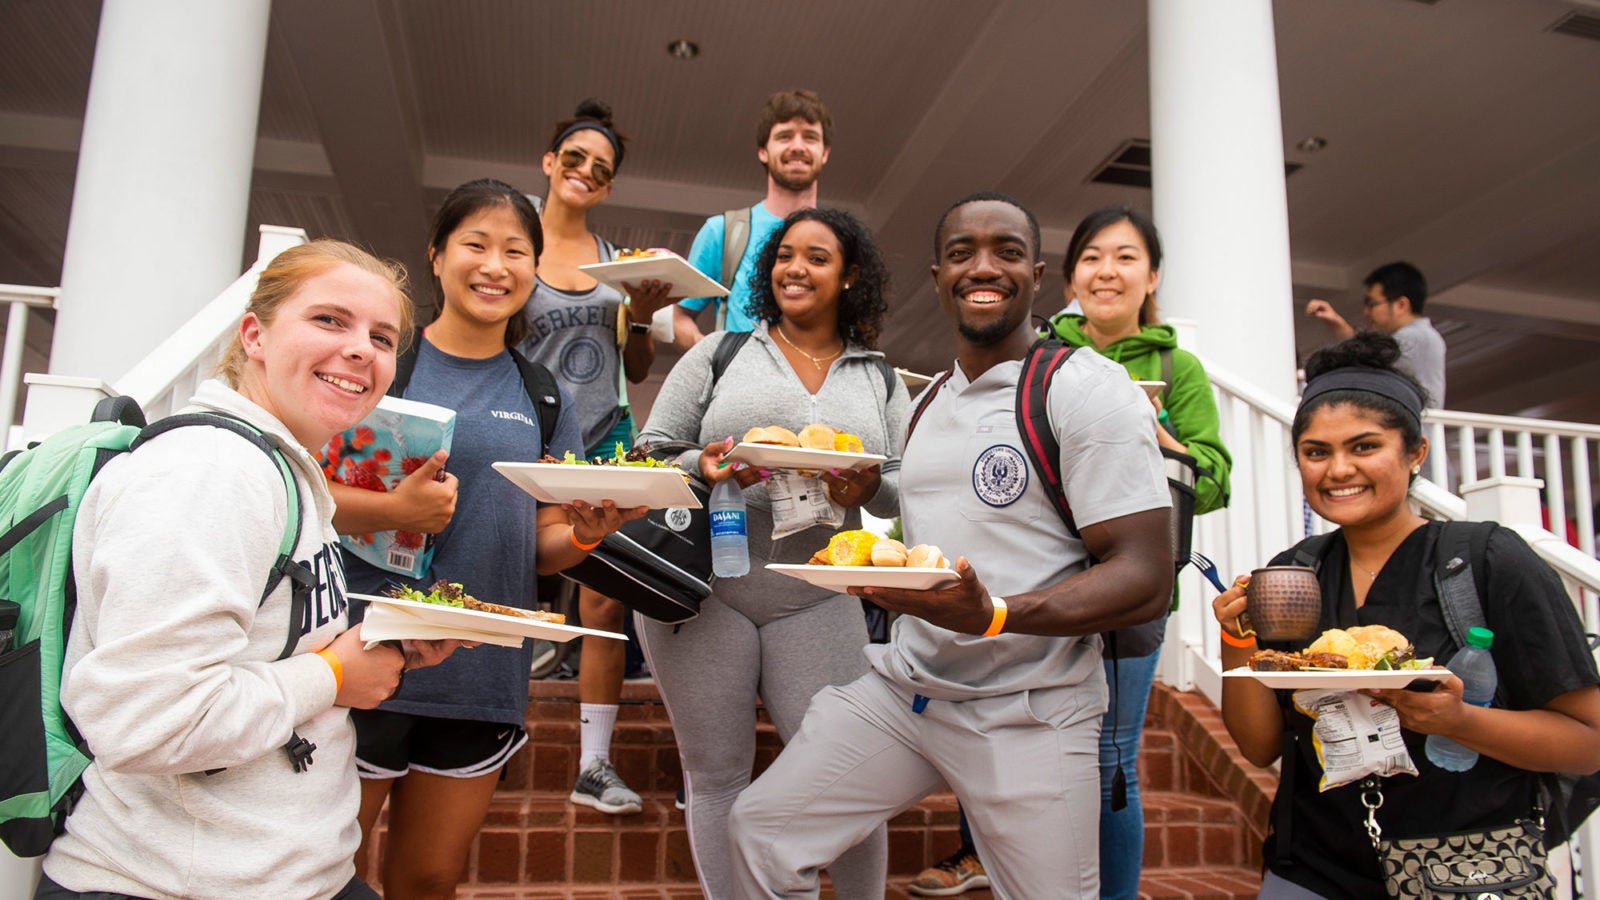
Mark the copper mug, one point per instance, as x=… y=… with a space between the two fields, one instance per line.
x=1282 y=603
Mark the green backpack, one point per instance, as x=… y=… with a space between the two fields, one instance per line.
x=40 y=492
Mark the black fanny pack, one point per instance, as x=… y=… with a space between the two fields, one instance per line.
x=660 y=565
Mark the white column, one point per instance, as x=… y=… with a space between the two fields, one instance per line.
x=163 y=184
x=1217 y=153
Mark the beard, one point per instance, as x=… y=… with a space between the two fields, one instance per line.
x=782 y=179
x=985 y=334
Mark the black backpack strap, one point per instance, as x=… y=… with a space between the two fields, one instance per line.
x=1044 y=358
x=727 y=349
x=1458 y=563
x=545 y=394
x=928 y=394
x=301 y=579
x=888 y=378
x=1309 y=552
x=404 y=364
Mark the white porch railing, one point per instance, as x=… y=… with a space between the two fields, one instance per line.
x=20 y=301
x=166 y=378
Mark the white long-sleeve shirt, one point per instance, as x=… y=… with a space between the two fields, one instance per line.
x=172 y=671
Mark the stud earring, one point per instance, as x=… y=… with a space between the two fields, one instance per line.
x=1416 y=470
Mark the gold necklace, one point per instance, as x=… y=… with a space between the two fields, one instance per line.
x=816 y=361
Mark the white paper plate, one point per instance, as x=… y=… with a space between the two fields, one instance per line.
x=686 y=280
x=1152 y=388
x=626 y=486
x=773 y=456
x=472 y=620
x=1339 y=679
x=838 y=578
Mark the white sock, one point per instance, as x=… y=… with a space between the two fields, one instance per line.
x=597 y=721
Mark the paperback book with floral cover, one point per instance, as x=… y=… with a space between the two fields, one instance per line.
x=376 y=455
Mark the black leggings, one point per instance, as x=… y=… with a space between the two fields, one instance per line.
x=49 y=890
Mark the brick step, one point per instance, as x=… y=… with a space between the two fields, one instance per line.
x=1204 y=809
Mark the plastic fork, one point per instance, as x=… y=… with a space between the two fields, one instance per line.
x=1207 y=568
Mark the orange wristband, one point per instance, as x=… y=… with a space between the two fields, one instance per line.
x=1241 y=643
x=999 y=620
x=332 y=660
x=581 y=545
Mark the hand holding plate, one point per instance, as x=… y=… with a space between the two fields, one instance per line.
x=853 y=487
x=963 y=606
x=590 y=523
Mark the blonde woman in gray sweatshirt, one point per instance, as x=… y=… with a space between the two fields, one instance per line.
x=819 y=304
x=177 y=673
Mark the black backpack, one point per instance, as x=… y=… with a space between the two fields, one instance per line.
x=536 y=380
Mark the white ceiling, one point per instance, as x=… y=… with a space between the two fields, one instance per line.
x=1463 y=135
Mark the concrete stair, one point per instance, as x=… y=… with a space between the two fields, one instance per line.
x=1205 y=811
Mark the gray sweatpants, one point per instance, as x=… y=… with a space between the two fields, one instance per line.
x=1024 y=766
x=769 y=635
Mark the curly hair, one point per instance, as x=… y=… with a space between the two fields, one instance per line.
x=862 y=306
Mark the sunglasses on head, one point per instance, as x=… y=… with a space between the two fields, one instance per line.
x=573 y=158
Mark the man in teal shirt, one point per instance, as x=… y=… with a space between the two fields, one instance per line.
x=792 y=141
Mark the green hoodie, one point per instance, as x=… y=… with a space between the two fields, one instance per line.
x=1188 y=405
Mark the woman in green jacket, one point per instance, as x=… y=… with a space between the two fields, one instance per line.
x=1112 y=266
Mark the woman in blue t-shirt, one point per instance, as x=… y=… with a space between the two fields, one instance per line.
x=435 y=749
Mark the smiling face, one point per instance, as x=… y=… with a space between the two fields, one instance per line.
x=327 y=356
x=1112 y=280
x=582 y=169
x=486 y=267
x=808 y=272
x=1355 y=471
x=987 y=273
x=794 y=153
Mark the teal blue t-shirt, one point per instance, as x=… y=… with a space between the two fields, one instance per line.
x=706 y=255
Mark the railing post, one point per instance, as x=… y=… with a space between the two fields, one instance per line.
x=59 y=401
x=1507 y=500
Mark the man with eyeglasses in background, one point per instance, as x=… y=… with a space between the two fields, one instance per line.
x=793 y=137
x=1396 y=293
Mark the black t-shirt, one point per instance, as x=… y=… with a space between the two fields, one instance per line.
x=1539 y=652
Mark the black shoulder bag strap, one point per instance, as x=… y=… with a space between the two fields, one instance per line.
x=928 y=393
x=727 y=349
x=1165 y=356
x=545 y=394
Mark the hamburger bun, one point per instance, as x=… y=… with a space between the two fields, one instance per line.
x=818 y=436
x=926 y=556
x=889 y=552
x=772 y=434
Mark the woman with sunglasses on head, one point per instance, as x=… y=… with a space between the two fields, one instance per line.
x=1358 y=441
x=204 y=782
x=591 y=335
x=436 y=749
x=810 y=358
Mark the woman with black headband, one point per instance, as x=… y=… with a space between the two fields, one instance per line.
x=1358 y=442
x=591 y=335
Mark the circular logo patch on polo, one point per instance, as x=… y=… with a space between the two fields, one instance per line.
x=678 y=518
x=1000 y=475
x=582 y=361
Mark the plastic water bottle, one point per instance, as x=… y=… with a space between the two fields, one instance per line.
x=730 y=549
x=1475 y=667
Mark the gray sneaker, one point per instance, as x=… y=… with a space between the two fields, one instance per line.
x=601 y=787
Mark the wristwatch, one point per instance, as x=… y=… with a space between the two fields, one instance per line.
x=639 y=327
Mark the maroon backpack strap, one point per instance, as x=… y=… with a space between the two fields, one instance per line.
x=927 y=398
x=1039 y=366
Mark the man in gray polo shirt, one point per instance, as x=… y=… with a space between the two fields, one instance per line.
x=997 y=695
x=1396 y=293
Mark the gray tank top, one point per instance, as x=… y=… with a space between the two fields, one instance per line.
x=574 y=334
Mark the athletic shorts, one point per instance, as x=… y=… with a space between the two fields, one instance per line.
x=390 y=744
